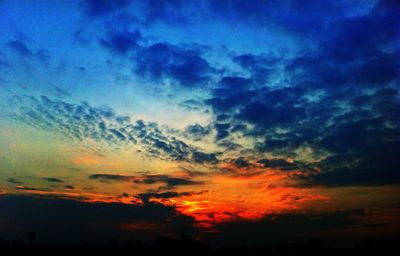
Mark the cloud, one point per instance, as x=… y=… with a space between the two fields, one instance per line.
x=289 y=121
x=282 y=164
x=222 y=130
x=196 y=132
x=103 y=125
x=229 y=145
x=165 y=61
x=60 y=93
x=159 y=62
x=353 y=33
x=21 y=187
x=167 y=195
x=202 y=158
x=234 y=84
x=334 y=102
x=191 y=104
x=376 y=165
x=241 y=162
x=121 y=42
x=20 y=47
x=168 y=181
x=274 y=112
x=53 y=180
x=14 y=181
x=259 y=66
x=111 y=177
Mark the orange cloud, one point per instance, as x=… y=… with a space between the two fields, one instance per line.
x=230 y=194
x=244 y=193
x=246 y=198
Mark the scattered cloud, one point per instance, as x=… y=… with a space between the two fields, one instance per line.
x=53 y=180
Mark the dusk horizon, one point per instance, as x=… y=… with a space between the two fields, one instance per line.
x=226 y=121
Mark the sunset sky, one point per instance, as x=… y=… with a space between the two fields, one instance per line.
x=232 y=120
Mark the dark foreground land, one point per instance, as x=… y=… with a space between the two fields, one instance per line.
x=186 y=246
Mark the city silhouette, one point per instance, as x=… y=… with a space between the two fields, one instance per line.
x=186 y=245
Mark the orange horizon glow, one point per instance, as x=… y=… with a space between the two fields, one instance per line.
x=249 y=194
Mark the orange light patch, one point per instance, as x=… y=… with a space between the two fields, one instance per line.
x=244 y=193
x=95 y=160
x=250 y=198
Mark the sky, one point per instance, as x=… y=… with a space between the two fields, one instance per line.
x=232 y=120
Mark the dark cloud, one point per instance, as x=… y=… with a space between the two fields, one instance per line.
x=196 y=132
x=121 y=42
x=111 y=177
x=14 y=181
x=53 y=180
x=158 y=62
x=354 y=33
x=229 y=145
x=224 y=102
x=241 y=162
x=278 y=163
x=338 y=101
x=375 y=165
x=69 y=221
x=260 y=67
x=202 y=158
x=234 y=84
x=222 y=130
x=21 y=48
x=165 y=61
x=167 y=181
x=167 y=195
x=276 y=108
x=380 y=70
x=286 y=16
x=118 y=134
